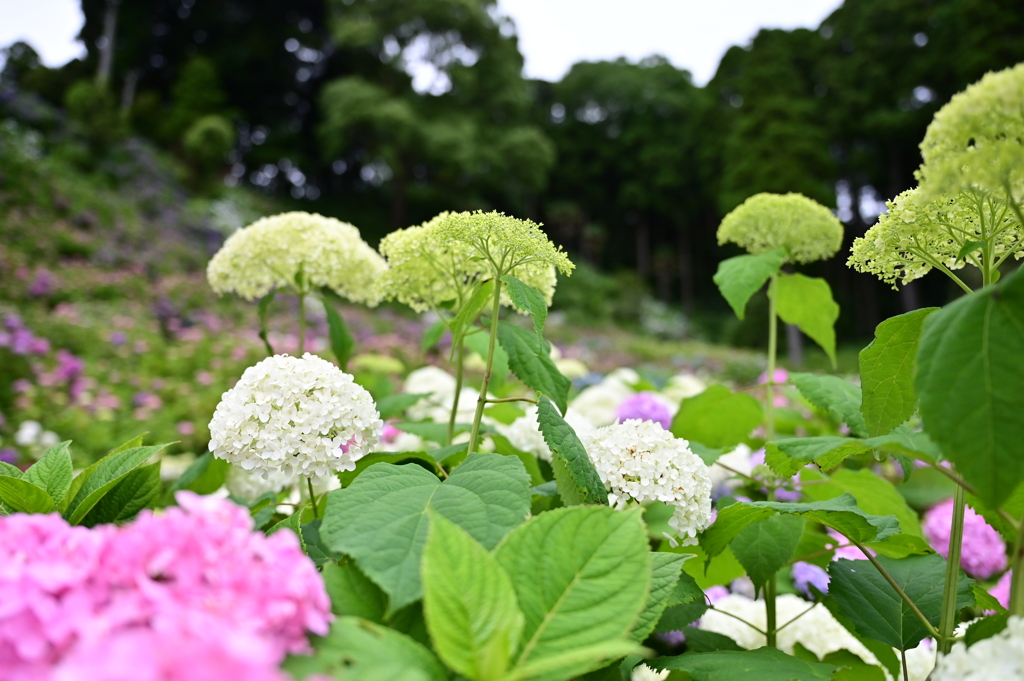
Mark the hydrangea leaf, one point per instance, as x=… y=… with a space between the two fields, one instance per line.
x=359 y=650
x=839 y=398
x=763 y=547
x=133 y=492
x=21 y=496
x=763 y=664
x=887 y=372
x=701 y=641
x=741 y=277
x=480 y=343
x=665 y=571
x=840 y=513
x=53 y=472
x=577 y=478
x=9 y=470
x=581 y=576
x=469 y=312
x=529 y=300
x=380 y=519
x=352 y=593
x=205 y=475
x=807 y=302
x=717 y=418
x=469 y=603
x=878 y=612
x=874 y=495
x=104 y=475
x=79 y=480
x=529 y=357
x=968 y=382
x=342 y=342
x=786 y=457
x=986 y=627
x=433 y=334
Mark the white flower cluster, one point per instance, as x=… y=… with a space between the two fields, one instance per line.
x=295 y=415
x=439 y=386
x=251 y=485
x=998 y=657
x=272 y=252
x=524 y=433
x=642 y=672
x=641 y=461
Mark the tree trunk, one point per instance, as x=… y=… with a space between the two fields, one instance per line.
x=795 y=345
x=131 y=79
x=643 y=248
x=106 y=65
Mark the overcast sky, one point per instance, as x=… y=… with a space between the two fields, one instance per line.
x=692 y=34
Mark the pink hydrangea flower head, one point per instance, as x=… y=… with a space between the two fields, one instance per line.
x=983 y=553
x=645 y=407
x=1001 y=591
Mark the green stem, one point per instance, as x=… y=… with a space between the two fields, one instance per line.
x=312 y=497
x=302 y=323
x=1017 y=581
x=459 y=354
x=499 y=400
x=474 y=434
x=773 y=333
x=771 y=624
x=948 y=621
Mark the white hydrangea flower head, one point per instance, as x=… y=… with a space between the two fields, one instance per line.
x=599 y=402
x=642 y=672
x=272 y=252
x=640 y=461
x=764 y=222
x=295 y=415
x=524 y=433
x=998 y=657
x=818 y=630
x=682 y=386
x=251 y=485
x=975 y=140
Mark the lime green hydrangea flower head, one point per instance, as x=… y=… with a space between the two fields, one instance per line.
x=297 y=251
x=976 y=141
x=765 y=222
x=501 y=245
x=915 y=235
x=423 y=271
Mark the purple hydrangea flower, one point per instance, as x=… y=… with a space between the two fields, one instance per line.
x=806 y=575
x=646 y=407
x=8 y=455
x=118 y=338
x=1001 y=591
x=983 y=553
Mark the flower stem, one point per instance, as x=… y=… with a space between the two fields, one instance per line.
x=302 y=323
x=1017 y=581
x=312 y=497
x=948 y=622
x=773 y=333
x=770 y=613
x=474 y=434
x=458 y=391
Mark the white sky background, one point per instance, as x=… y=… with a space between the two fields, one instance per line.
x=553 y=34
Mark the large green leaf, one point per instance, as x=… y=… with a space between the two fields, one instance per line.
x=741 y=277
x=381 y=519
x=582 y=576
x=53 y=472
x=480 y=344
x=717 y=417
x=577 y=479
x=788 y=456
x=841 y=514
x=807 y=302
x=359 y=650
x=342 y=342
x=465 y=317
x=877 y=610
x=204 y=476
x=108 y=472
x=529 y=300
x=133 y=492
x=763 y=547
x=763 y=664
x=665 y=571
x=21 y=496
x=839 y=398
x=887 y=372
x=874 y=495
x=111 y=459
x=352 y=592
x=969 y=378
x=469 y=603
x=529 y=358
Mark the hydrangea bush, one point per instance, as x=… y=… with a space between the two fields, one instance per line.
x=518 y=527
